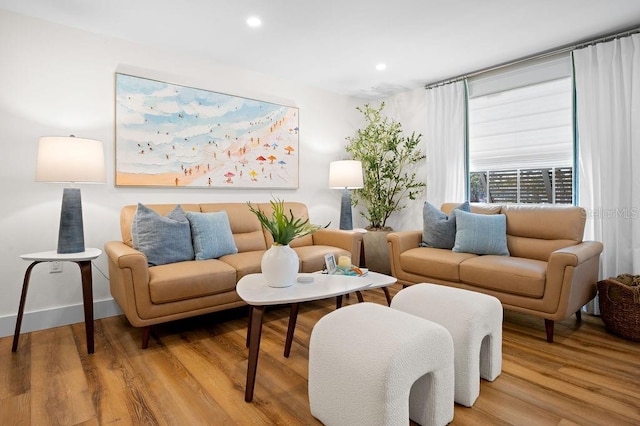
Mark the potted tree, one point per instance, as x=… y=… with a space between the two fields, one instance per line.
x=388 y=164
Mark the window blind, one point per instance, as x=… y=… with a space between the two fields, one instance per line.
x=522 y=118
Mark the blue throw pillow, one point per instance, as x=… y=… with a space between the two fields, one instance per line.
x=211 y=234
x=481 y=233
x=162 y=239
x=439 y=231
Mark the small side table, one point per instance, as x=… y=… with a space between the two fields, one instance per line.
x=83 y=259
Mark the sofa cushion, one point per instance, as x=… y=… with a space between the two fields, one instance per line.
x=515 y=275
x=434 y=263
x=129 y=212
x=481 y=234
x=480 y=208
x=162 y=239
x=245 y=226
x=439 y=230
x=211 y=235
x=244 y=263
x=535 y=231
x=189 y=280
x=312 y=257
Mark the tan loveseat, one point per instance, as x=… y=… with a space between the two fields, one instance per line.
x=151 y=295
x=550 y=273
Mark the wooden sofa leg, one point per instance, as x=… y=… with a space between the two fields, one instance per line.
x=548 y=325
x=146 y=333
x=579 y=315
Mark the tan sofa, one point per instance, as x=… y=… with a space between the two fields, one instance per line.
x=550 y=273
x=150 y=295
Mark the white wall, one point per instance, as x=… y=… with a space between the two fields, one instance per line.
x=57 y=81
x=409 y=108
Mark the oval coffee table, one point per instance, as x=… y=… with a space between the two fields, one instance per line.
x=254 y=290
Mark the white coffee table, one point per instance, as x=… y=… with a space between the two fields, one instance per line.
x=254 y=290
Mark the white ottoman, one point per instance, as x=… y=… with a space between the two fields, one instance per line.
x=475 y=323
x=373 y=365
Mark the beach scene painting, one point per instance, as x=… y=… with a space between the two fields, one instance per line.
x=176 y=136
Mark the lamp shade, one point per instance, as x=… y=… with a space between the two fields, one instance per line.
x=345 y=174
x=70 y=159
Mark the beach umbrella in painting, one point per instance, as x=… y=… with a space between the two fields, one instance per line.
x=282 y=163
x=253 y=175
x=266 y=145
x=261 y=159
x=229 y=175
x=272 y=158
x=244 y=162
x=274 y=146
x=289 y=148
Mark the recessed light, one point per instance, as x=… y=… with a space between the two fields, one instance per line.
x=254 y=21
x=381 y=66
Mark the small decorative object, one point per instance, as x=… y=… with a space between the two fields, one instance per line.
x=330 y=263
x=280 y=263
x=344 y=266
x=620 y=305
x=344 y=261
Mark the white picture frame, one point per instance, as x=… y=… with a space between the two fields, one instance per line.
x=330 y=263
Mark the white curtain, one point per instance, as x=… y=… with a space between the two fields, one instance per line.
x=445 y=140
x=607 y=77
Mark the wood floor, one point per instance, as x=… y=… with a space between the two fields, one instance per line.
x=194 y=371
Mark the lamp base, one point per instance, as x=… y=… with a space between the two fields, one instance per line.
x=346 y=221
x=71 y=232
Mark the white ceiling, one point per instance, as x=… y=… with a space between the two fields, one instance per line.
x=335 y=44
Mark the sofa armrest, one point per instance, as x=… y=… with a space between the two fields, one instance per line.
x=577 y=254
x=572 y=274
x=402 y=241
x=398 y=243
x=128 y=278
x=126 y=257
x=346 y=240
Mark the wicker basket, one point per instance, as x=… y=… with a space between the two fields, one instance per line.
x=620 y=307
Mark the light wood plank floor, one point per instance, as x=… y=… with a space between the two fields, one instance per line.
x=193 y=373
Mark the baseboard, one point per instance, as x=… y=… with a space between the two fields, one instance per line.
x=41 y=320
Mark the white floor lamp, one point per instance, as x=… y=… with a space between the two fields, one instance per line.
x=345 y=175
x=70 y=160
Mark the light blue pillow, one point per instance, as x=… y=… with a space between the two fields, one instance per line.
x=211 y=234
x=162 y=239
x=439 y=231
x=481 y=233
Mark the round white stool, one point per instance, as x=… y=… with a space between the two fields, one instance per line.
x=373 y=365
x=474 y=321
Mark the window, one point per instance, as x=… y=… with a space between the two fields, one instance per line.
x=520 y=142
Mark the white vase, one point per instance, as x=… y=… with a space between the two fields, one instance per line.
x=280 y=266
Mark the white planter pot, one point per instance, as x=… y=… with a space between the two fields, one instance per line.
x=280 y=266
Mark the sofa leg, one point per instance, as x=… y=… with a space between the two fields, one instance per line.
x=579 y=315
x=548 y=325
x=146 y=333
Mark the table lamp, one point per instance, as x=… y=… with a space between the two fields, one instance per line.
x=70 y=160
x=346 y=175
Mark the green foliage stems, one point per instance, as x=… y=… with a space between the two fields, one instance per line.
x=387 y=158
x=283 y=228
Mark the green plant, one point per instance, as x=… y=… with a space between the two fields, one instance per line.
x=284 y=228
x=388 y=163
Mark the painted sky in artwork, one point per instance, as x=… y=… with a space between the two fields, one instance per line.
x=171 y=135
